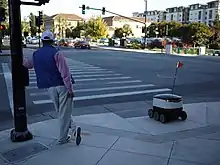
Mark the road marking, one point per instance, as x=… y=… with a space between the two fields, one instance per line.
x=113 y=82
x=96 y=79
x=102 y=72
x=83 y=67
x=97 y=89
x=93 y=75
x=80 y=70
x=122 y=82
x=92 y=79
x=82 y=98
x=79 y=73
x=8 y=81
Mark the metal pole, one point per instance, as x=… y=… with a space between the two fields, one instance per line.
x=174 y=80
x=19 y=73
x=145 y=21
x=145 y=29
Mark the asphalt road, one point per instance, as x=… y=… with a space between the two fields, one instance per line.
x=104 y=77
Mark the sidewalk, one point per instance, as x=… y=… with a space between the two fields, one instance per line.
x=144 y=51
x=109 y=139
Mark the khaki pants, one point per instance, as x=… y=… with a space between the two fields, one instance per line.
x=64 y=106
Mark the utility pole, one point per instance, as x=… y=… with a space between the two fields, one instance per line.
x=145 y=20
x=19 y=75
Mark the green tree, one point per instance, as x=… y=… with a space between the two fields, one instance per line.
x=196 y=33
x=214 y=41
x=5 y=5
x=78 y=30
x=96 y=28
x=62 y=25
x=123 y=32
x=173 y=29
x=118 y=32
x=127 y=30
x=152 y=29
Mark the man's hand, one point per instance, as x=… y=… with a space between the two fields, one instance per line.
x=71 y=94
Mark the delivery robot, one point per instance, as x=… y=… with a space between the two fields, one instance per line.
x=168 y=107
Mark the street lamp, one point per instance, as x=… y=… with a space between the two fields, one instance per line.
x=145 y=28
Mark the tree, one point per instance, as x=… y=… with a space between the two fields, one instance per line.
x=118 y=32
x=68 y=33
x=152 y=29
x=123 y=32
x=96 y=28
x=127 y=30
x=173 y=29
x=78 y=30
x=5 y=5
x=214 y=40
x=62 y=24
x=196 y=33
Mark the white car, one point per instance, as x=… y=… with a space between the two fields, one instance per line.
x=34 y=41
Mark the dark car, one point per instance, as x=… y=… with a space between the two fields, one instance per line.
x=82 y=45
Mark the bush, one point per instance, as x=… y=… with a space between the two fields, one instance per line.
x=5 y=47
x=214 y=45
x=136 y=46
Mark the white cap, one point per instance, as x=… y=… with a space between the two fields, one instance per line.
x=47 y=35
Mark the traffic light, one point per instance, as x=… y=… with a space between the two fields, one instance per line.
x=42 y=2
x=37 y=22
x=2 y=27
x=40 y=18
x=143 y=29
x=103 y=11
x=2 y=14
x=83 y=9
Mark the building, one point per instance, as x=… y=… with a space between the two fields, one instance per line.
x=212 y=10
x=61 y=23
x=178 y=14
x=203 y=13
x=136 y=24
x=197 y=13
x=153 y=16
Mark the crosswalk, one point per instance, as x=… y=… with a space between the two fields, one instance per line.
x=92 y=82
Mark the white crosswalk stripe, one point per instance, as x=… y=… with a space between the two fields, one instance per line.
x=93 y=82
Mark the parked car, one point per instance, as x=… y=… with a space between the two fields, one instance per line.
x=82 y=45
x=24 y=44
x=35 y=40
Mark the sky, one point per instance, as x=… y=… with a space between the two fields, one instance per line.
x=124 y=7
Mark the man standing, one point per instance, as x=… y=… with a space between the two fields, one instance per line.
x=53 y=74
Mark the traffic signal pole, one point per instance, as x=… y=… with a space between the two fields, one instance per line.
x=20 y=132
x=91 y=8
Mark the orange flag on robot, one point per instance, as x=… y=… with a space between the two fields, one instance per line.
x=179 y=64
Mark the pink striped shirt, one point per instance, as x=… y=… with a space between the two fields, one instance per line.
x=61 y=65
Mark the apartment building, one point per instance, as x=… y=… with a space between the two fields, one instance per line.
x=153 y=16
x=203 y=13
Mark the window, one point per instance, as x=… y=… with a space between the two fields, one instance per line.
x=200 y=15
x=210 y=14
x=171 y=17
